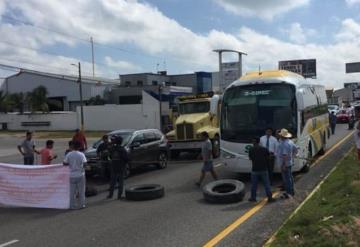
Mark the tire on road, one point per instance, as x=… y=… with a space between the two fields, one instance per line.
x=144 y=192
x=224 y=191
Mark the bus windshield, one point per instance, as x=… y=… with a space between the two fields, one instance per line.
x=194 y=107
x=248 y=110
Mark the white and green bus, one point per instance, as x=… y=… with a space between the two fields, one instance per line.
x=272 y=99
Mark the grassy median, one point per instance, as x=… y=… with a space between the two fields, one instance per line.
x=331 y=217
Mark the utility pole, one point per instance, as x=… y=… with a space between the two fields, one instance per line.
x=81 y=97
x=92 y=55
x=160 y=105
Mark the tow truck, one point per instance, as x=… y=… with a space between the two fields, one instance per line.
x=196 y=114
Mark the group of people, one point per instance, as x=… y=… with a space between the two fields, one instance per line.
x=266 y=153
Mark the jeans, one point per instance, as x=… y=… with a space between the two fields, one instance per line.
x=333 y=126
x=288 y=180
x=29 y=160
x=264 y=176
x=117 y=176
x=77 y=192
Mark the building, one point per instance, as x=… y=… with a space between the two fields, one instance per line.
x=61 y=88
x=344 y=95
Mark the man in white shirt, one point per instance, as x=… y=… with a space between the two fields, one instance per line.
x=269 y=142
x=357 y=139
x=76 y=161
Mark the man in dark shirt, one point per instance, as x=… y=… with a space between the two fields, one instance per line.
x=260 y=161
x=119 y=159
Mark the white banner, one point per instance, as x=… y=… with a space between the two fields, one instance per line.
x=35 y=186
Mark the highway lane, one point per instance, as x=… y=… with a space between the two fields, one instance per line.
x=181 y=218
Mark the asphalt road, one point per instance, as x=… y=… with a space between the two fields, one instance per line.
x=181 y=218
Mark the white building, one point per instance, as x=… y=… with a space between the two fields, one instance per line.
x=62 y=88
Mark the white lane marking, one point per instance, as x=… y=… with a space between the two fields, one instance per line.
x=9 y=243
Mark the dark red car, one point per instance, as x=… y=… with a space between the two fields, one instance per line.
x=343 y=116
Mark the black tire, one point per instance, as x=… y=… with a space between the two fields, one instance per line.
x=216 y=146
x=144 y=192
x=90 y=191
x=175 y=154
x=306 y=168
x=162 y=160
x=224 y=191
x=323 y=149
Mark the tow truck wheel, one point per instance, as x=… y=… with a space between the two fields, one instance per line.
x=162 y=160
x=175 y=154
x=216 y=146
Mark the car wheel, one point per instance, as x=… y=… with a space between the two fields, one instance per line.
x=162 y=160
x=216 y=147
x=224 y=191
x=144 y=192
x=127 y=170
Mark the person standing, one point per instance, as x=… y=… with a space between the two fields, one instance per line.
x=357 y=139
x=332 y=120
x=102 y=152
x=206 y=152
x=285 y=153
x=47 y=154
x=269 y=142
x=27 y=149
x=260 y=162
x=76 y=161
x=70 y=147
x=79 y=136
x=119 y=159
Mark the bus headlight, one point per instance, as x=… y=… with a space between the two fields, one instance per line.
x=227 y=155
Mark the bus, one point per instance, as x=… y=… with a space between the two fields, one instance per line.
x=273 y=99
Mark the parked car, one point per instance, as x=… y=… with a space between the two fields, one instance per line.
x=144 y=147
x=343 y=115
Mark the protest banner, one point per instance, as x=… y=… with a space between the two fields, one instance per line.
x=34 y=186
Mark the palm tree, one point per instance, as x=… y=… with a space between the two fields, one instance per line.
x=38 y=99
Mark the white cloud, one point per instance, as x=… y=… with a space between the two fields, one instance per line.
x=298 y=34
x=352 y=2
x=118 y=22
x=263 y=9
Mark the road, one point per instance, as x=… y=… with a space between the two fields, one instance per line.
x=181 y=218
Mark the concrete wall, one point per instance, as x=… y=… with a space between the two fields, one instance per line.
x=58 y=121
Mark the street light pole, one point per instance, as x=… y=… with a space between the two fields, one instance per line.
x=81 y=100
x=160 y=106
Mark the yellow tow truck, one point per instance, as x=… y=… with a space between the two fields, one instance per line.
x=196 y=114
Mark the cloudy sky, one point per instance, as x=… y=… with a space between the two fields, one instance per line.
x=179 y=35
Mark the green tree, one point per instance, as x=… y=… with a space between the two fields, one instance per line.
x=4 y=102
x=18 y=101
x=96 y=100
x=38 y=99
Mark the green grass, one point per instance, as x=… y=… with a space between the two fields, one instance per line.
x=332 y=216
x=54 y=134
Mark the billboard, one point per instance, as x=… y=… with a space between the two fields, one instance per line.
x=352 y=67
x=230 y=73
x=304 y=67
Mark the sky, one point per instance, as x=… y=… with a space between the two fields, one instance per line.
x=179 y=36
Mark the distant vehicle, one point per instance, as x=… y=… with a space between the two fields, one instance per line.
x=276 y=99
x=197 y=114
x=343 y=115
x=144 y=147
x=333 y=108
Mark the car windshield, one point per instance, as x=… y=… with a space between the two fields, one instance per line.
x=248 y=110
x=125 y=135
x=194 y=107
x=333 y=107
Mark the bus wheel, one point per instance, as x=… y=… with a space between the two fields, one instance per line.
x=323 y=148
x=216 y=146
x=306 y=167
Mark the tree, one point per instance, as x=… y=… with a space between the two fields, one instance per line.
x=17 y=101
x=38 y=99
x=4 y=102
x=96 y=100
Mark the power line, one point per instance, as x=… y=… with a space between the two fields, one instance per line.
x=97 y=43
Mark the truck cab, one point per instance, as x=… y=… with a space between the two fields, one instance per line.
x=196 y=114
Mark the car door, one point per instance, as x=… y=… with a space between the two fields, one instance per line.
x=138 y=150
x=151 y=147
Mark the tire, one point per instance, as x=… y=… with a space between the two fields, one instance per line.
x=216 y=147
x=323 y=149
x=162 y=160
x=175 y=154
x=90 y=191
x=144 y=192
x=127 y=170
x=224 y=191
x=306 y=168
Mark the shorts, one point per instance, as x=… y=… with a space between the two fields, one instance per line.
x=358 y=153
x=208 y=166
